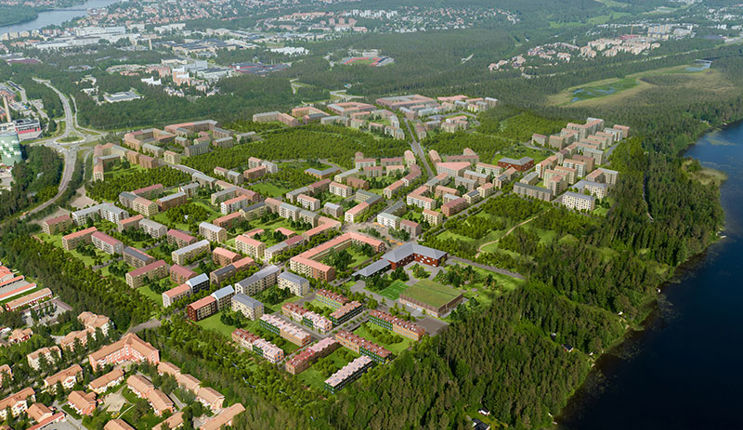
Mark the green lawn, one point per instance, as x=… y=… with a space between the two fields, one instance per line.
x=214 y=323
x=586 y=93
x=268 y=189
x=394 y=290
x=147 y=292
x=395 y=348
x=431 y=292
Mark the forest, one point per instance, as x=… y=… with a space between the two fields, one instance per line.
x=34 y=181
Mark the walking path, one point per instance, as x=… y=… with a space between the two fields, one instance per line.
x=486 y=267
x=481 y=247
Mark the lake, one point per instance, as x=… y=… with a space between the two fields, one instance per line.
x=682 y=371
x=57 y=16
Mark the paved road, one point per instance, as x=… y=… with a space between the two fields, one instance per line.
x=67 y=150
x=418 y=150
x=486 y=267
x=153 y=323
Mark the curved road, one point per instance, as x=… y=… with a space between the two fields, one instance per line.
x=67 y=150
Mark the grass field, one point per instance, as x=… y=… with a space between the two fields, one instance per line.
x=214 y=323
x=431 y=293
x=312 y=376
x=394 y=290
x=147 y=292
x=395 y=348
x=599 y=93
x=269 y=189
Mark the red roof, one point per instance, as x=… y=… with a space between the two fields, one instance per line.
x=148 y=268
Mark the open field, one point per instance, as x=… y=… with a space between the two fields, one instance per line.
x=394 y=290
x=615 y=90
x=395 y=348
x=147 y=292
x=431 y=293
x=214 y=323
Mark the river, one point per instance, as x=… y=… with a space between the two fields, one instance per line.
x=682 y=371
x=57 y=16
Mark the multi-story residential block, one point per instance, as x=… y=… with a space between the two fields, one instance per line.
x=130 y=348
x=174 y=294
x=222 y=257
x=57 y=224
x=259 y=281
x=579 y=202
x=111 y=213
x=157 y=270
x=454 y=206
x=346 y=312
x=250 y=246
x=73 y=240
x=198 y=283
x=136 y=258
x=202 y=308
x=330 y=298
x=349 y=373
x=210 y=398
x=17 y=403
x=81 y=402
x=248 y=306
x=234 y=204
x=226 y=221
x=223 y=296
x=307 y=318
x=51 y=355
x=285 y=329
x=362 y=346
x=66 y=377
x=180 y=274
x=131 y=222
x=333 y=210
x=28 y=300
x=171 y=201
x=212 y=233
x=187 y=254
x=179 y=238
x=106 y=243
x=340 y=190
x=298 y=285
x=308 y=263
x=411 y=227
x=308 y=202
x=433 y=217
x=532 y=191
x=305 y=358
x=103 y=383
x=408 y=329
x=146 y=207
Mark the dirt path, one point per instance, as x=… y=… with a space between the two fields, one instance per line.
x=479 y=250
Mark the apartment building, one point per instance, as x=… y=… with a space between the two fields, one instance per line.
x=17 y=402
x=341 y=190
x=250 y=308
x=234 y=204
x=106 y=243
x=298 y=285
x=285 y=329
x=223 y=296
x=307 y=318
x=180 y=274
x=346 y=312
x=250 y=246
x=411 y=227
x=56 y=225
x=454 y=206
x=136 y=258
x=146 y=207
x=174 y=294
x=259 y=281
x=308 y=202
x=388 y=220
x=533 y=191
x=171 y=201
x=73 y=240
x=157 y=270
x=362 y=346
x=333 y=210
x=127 y=223
x=212 y=233
x=51 y=354
x=179 y=238
x=187 y=254
x=308 y=263
x=522 y=164
x=81 y=402
x=198 y=283
x=201 y=308
x=397 y=325
x=67 y=377
x=433 y=217
x=28 y=300
x=579 y=202
x=349 y=373
x=302 y=360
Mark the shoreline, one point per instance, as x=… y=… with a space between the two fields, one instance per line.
x=634 y=333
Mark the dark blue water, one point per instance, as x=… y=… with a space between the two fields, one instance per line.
x=57 y=16
x=684 y=371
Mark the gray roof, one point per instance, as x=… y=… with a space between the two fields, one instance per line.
x=191 y=247
x=257 y=276
x=173 y=196
x=246 y=301
x=210 y=227
x=255 y=206
x=580 y=185
x=404 y=251
x=332 y=206
x=578 y=196
x=520 y=162
x=136 y=253
x=291 y=277
x=222 y=271
x=531 y=187
x=196 y=280
x=372 y=269
x=276 y=248
x=289 y=206
x=151 y=223
x=223 y=292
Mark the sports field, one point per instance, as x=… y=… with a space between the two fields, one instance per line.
x=431 y=293
x=394 y=290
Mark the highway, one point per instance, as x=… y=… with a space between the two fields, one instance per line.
x=68 y=151
x=418 y=150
